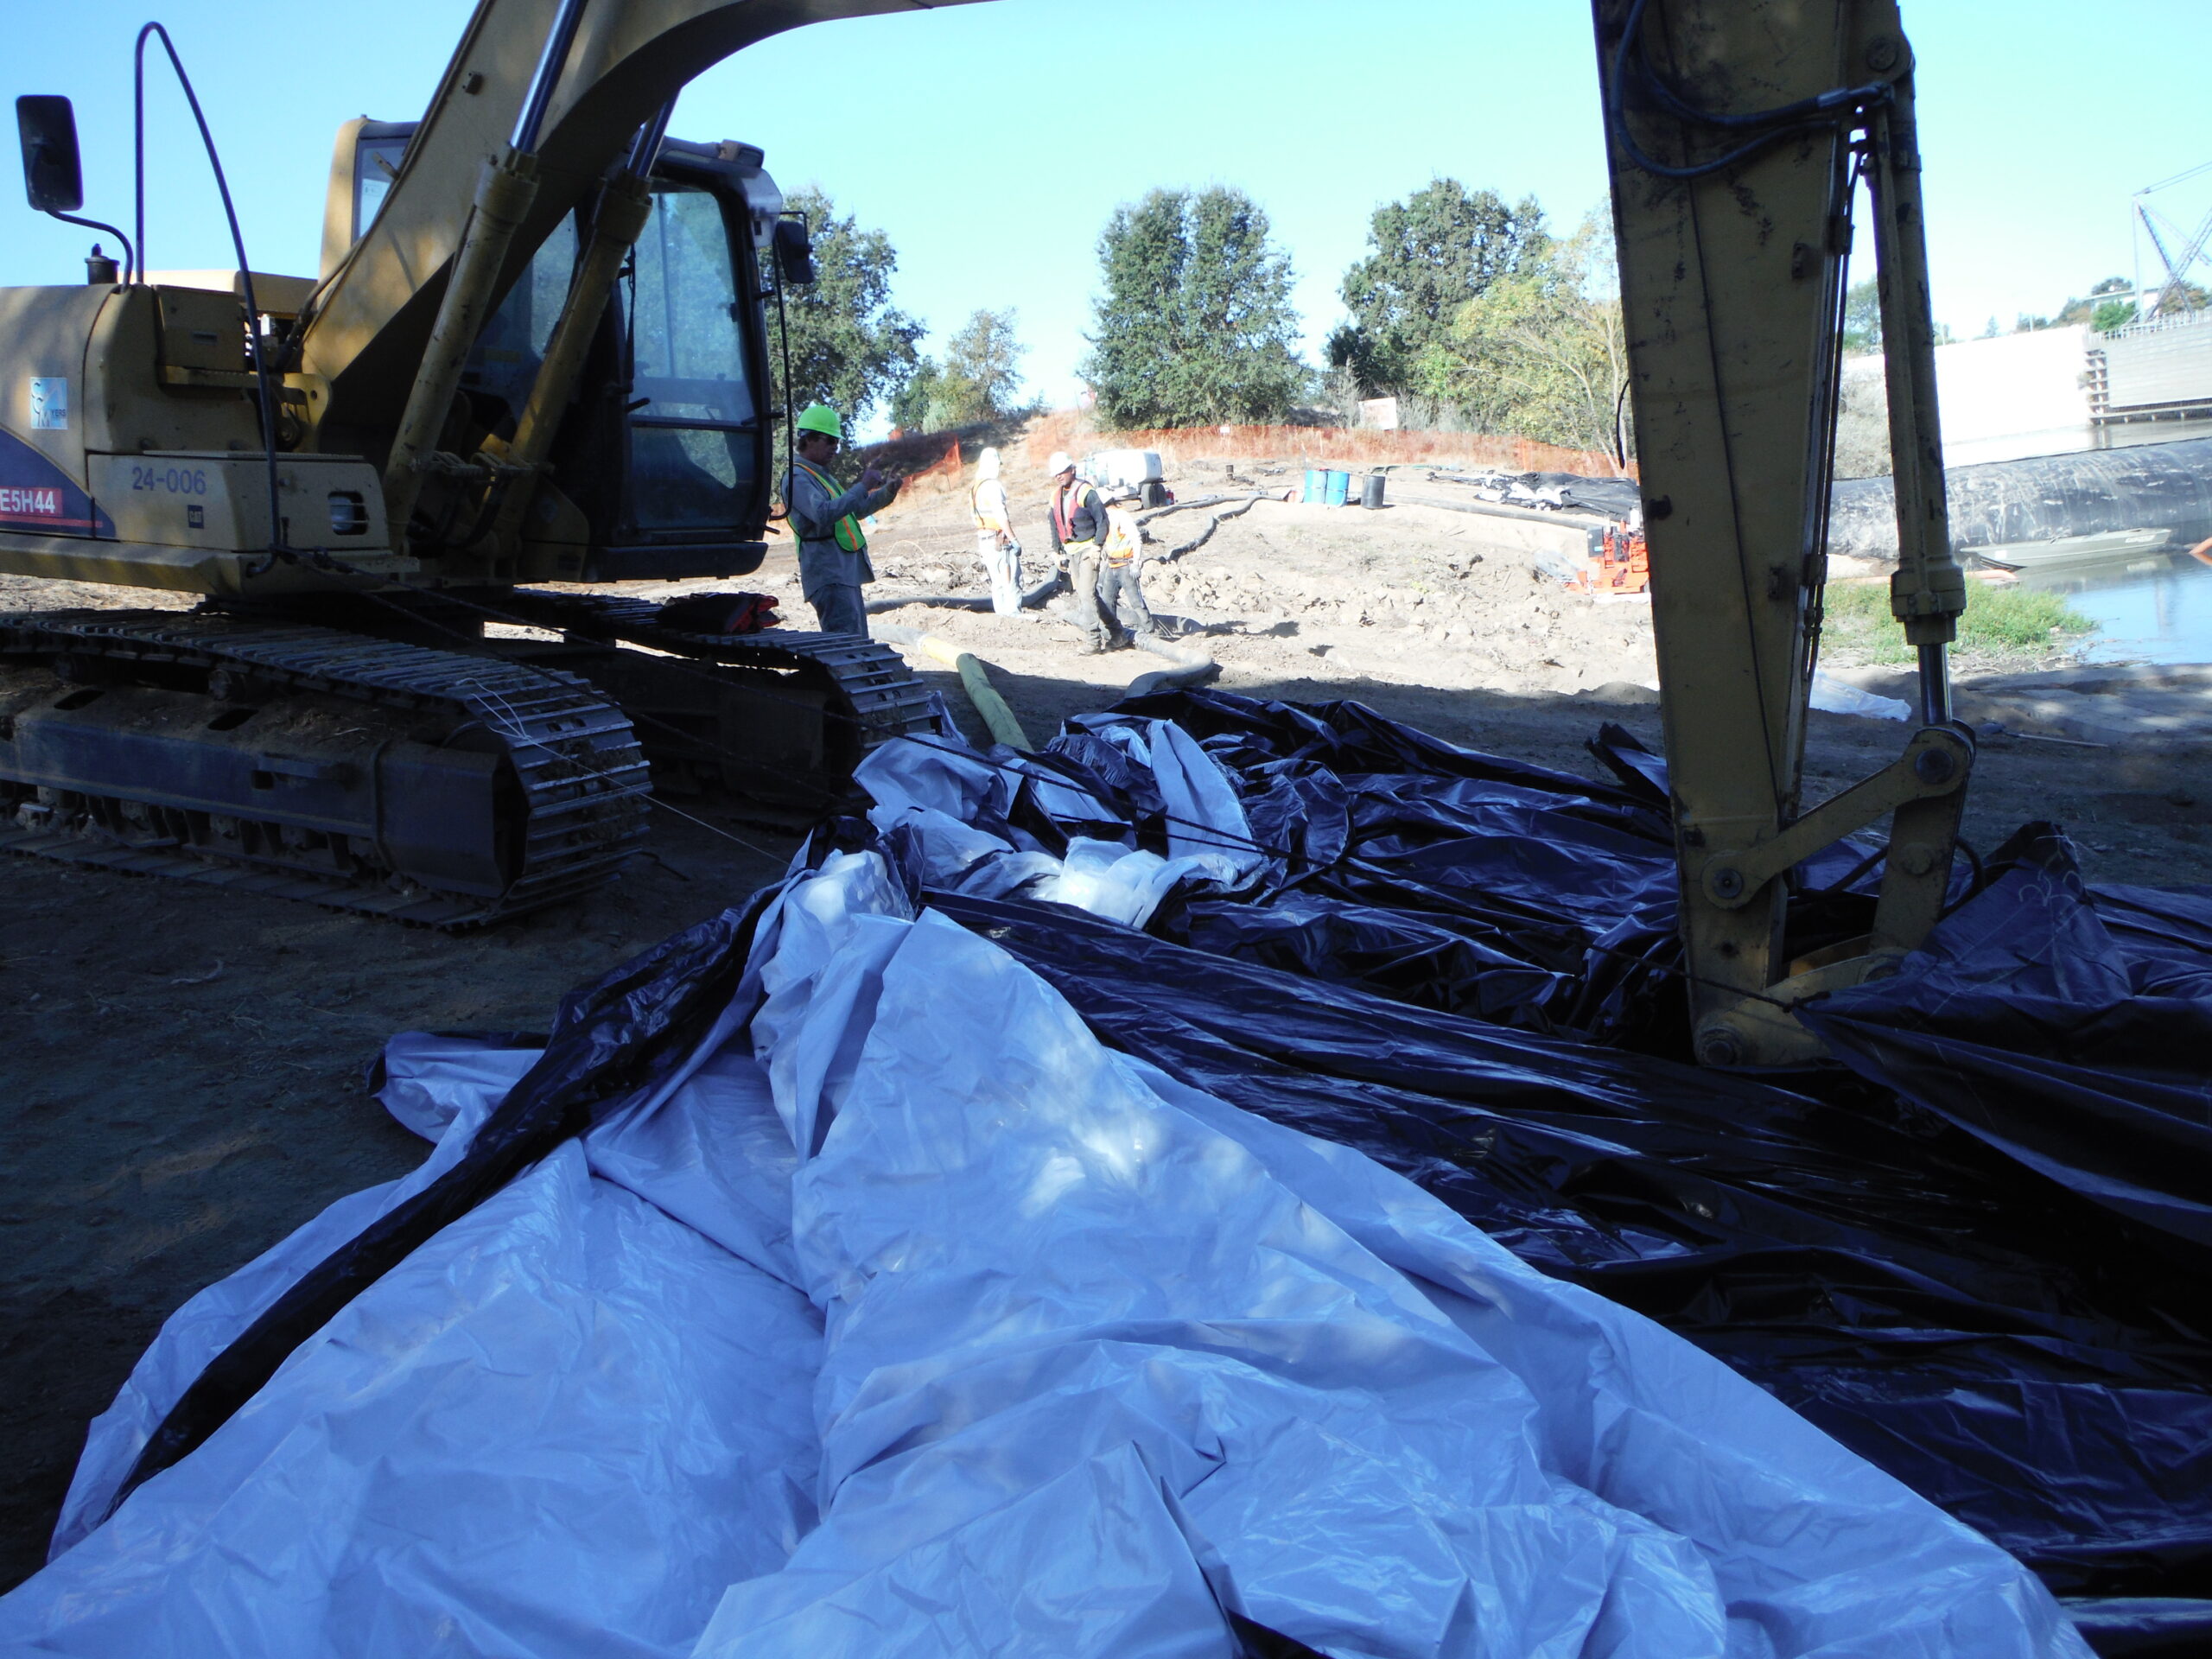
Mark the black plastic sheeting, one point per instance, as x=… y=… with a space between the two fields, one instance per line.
x=1974 y=1254
x=1457 y=881
x=2139 y=487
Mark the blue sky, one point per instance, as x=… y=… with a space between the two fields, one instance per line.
x=992 y=141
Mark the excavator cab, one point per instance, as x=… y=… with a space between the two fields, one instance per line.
x=665 y=450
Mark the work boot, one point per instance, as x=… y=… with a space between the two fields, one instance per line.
x=1091 y=647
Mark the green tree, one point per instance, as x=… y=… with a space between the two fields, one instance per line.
x=850 y=347
x=1862 y=317
x=978 y=380
x=1194 y=326
x=1540 y=352
x=1434 y=252
x=985 y=359
x=924 y=390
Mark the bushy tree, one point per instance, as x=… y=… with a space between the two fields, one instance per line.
x=1432 y=253
x=979 y=380
x=850 y=347
x=924 y=390
x=984 y=358
x=1194 y=326
x=1541 y=352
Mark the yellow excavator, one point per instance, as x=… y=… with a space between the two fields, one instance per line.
x=535 y=355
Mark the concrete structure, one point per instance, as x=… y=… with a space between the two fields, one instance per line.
x=2015 y=396
x=2057 y=391
x=2153 y=372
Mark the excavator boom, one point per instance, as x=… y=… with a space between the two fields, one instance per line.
x=1737 y=132
x=366 y=335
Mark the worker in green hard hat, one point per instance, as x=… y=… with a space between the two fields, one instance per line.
x=826 y=523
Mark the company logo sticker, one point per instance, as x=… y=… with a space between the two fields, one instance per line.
x=49 y=403
x=37 y=495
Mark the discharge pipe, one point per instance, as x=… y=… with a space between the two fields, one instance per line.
x=992 y=707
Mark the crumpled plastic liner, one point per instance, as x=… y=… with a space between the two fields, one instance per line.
x=562 y=1426
x=2071 y=1032
x=934 y=1326
x=1336 y=843
x=612 y=1042
x=2014 y=1322
x=2001 y=1346
x=975 y=815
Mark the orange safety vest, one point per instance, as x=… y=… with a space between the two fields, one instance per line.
x=1065 y=502
x=847 y=530
x=1121 y=545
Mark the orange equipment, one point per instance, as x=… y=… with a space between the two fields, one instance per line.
x=1622 y=566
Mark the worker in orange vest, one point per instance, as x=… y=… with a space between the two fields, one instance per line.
x=1120 y=591
x=1076 y=520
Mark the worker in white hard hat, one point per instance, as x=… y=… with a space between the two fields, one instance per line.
x=1120 y=592
x=1076 y=520
x=995 y=543
x=833 y=560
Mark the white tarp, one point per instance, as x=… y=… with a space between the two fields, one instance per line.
x=1034 y=1352
x=936 y=789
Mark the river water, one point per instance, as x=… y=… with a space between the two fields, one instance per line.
x=2154 y=610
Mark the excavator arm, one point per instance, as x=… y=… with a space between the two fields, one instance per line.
x=1736 y=131
x=538 y=105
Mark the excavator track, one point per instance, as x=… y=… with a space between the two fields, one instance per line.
x=429 y=785
x=795 y=711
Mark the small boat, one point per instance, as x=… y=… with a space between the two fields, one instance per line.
x=2073 y=549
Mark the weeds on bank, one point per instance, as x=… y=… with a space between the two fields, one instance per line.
x=2005 y=622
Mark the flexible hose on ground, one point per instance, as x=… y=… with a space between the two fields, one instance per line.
x=996 y=716
x=1213 y=524
x=1030 y=601
x=1191 y=668
x=1151 y=513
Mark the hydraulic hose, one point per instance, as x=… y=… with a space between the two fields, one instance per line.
x=1030 y=601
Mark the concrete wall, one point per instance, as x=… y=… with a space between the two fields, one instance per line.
x=2015 y=396
x=2159 y=366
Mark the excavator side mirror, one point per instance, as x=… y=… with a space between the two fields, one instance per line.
x=794 y=253
x=54 y=178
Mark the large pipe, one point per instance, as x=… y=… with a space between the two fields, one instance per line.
x=2142 y=486
x=996 y=716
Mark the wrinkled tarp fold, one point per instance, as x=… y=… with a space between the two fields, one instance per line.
x=1989 y=1287
x=931 y=1326
x=1022 y=1232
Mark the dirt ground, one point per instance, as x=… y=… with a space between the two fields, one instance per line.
x=181 y=1078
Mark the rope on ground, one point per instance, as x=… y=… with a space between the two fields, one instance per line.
x=991 y=707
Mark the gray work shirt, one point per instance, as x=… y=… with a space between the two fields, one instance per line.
x=814 y=513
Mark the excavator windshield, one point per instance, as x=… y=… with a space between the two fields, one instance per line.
x=694 y=417
x=664 y=448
